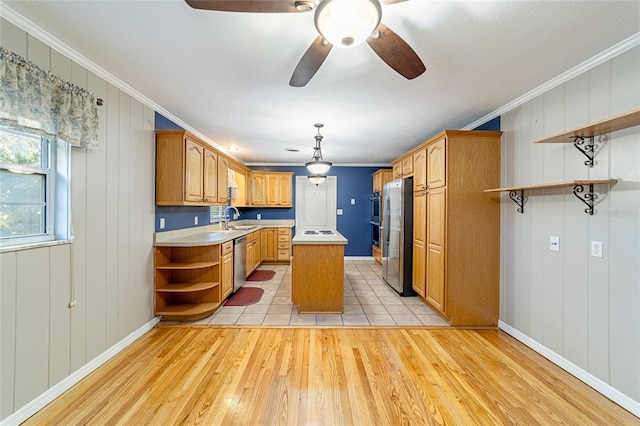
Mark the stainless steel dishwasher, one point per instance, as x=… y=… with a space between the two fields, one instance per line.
x=239 y=262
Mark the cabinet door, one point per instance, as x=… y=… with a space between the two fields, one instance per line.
x=407 y=166
x=258 y=189
x=377 y=182
x=420 y=170
x=436 y=229
x=436 y=161
x=268 y=241
x=272 y=186
x=223 y=180
x=285 y=184
x=419 y=239
x=250 y=260
x=210 y=176
x=226 y=285
x=257 y=251
x=194 y=171
x=397 y=170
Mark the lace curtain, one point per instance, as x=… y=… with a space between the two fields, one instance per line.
x=36 y=101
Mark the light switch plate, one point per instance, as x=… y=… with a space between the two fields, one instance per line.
x=162 y=223
x=554 y=243
x=353 y=201
x=339 y=212
x=195 y=220
x=258 y=216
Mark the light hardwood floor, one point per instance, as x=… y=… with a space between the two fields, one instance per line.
x=329 y=376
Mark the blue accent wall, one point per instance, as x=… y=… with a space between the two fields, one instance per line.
x=493 y=125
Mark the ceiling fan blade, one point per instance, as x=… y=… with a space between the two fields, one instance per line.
x=392 y=1
x=257 y=6
x=310 y=62
x=393 y=50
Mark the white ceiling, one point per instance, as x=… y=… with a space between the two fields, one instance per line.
x=225 y=75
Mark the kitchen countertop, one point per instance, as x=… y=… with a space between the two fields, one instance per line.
x=337 y=238
x=213 y=234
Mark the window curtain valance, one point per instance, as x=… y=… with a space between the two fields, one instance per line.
x=36 y=101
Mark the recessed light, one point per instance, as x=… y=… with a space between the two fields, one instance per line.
x=291 y=150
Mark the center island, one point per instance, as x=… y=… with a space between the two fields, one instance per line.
x=317 y=282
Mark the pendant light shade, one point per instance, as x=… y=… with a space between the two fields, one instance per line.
x=347 y=23
x=317 y=166
x=316 y=179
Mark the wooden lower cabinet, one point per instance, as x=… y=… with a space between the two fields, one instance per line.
x=254 y=252
x=436 y=229
x=318 y=278
x=269 y=241
x=419 y=241
x=187 y=282
x=284 y=246
x=226 y=269
x=376 y=253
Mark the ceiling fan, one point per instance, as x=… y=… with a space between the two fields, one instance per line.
x=341 y=23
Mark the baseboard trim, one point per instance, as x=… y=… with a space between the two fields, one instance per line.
x=65 y=384
x=604 y=388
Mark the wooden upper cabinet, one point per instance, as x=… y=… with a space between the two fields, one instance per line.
x=271 y=189
x=223 y=180
x=436 y=163
x=210 y=177
x=377 y=182
x=420 y=170
x=407 y=166
x=258 y=189
x=285 y=184
x=193 y=171
x=188 y=171
x=397 y=169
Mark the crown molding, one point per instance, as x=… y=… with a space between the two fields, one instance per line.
x=25 y=24
x=587 y=65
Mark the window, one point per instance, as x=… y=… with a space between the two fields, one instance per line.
x=216 y=214
x=27 y=188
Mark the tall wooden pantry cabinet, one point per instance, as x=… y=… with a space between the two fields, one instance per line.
x=457 y=226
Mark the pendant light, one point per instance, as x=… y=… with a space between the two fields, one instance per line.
x=317 y=166
x=316 y=179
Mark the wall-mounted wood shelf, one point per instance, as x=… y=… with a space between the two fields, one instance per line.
x=516 y=193
x=583 y=137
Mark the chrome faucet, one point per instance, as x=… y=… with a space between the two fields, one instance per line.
x=226 y=210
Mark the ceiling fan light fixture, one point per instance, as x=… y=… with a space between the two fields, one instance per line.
x=316 y=179
x=317 y=166
x=347 y=23
x=304 y=6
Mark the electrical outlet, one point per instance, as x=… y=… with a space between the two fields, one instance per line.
x=596 y=248
x=162 y=223
x=195 y=220
x=353 y=201
x=339 y=212
x=554 y=243
x=258 y=216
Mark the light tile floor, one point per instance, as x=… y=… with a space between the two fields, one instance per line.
x=368 y=300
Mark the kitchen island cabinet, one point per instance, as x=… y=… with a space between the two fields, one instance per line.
x=318 y=273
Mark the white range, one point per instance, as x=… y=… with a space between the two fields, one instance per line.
x=318 y=236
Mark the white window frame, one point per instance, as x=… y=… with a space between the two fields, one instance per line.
x=55 y=166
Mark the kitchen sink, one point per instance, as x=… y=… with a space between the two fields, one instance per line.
x=242 y=227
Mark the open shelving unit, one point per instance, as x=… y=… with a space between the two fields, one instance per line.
x=583 y=139
x=516 y=193
x=187 y=282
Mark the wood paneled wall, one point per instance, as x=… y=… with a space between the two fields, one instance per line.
x=583 y=308
x=110 y=261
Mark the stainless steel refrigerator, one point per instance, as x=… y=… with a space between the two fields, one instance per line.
x=397 y=235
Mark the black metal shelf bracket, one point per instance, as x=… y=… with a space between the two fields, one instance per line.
x=589 y=198
x=518 y=198
x=587 y=147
